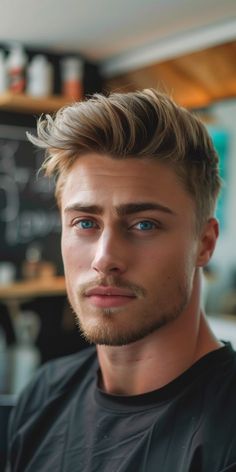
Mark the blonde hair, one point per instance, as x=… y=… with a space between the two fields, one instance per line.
x=140 y=124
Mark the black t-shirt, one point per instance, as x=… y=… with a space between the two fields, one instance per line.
x=64 y=423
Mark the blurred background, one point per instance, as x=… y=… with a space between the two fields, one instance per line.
x=53 y=53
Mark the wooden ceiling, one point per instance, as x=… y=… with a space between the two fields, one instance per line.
x=194 y=80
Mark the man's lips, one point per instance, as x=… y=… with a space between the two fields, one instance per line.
x=109 y=291
x=107 y=297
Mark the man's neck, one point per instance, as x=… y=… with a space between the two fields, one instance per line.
x=156 y=360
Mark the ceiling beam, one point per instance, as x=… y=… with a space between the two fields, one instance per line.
x=170 y=47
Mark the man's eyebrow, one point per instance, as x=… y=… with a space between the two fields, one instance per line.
x=130 y=208
x=83 y=208
x=122 y=210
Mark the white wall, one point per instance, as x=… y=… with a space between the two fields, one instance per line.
x=224 y=328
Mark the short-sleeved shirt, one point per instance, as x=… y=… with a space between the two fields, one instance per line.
x=64 y=423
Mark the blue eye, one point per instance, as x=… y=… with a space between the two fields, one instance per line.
x=146 y=225
x=86 y=224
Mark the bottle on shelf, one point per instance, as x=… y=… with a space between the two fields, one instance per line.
x=39 y=77
x=3 y=73
x=16 y=64
x=32 y=262
x=72 y=77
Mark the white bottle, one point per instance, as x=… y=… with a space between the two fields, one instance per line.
x=3 y=363
x=16 y=63
x=3 y=73
x=25 y=356
x=39 y=77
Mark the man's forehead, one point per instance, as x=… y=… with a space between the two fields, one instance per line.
x=118 y=182
x=140 y=171
x=103 y=163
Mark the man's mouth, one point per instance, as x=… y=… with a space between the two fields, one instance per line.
x=108 y=297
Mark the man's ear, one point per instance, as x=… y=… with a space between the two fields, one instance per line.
x=207 y=242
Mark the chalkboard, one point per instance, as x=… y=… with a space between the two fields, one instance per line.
x=28 y=211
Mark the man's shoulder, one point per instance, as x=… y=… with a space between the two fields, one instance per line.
x=62 y=368
x=54 y=379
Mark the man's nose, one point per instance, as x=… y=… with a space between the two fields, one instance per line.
x=110 y=254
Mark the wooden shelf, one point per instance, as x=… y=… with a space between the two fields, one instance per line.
x=33 y=288
x=26 y=104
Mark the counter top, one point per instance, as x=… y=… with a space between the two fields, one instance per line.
x=50 y=286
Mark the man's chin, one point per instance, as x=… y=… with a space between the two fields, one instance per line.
x=104 y=336
x=114 y=335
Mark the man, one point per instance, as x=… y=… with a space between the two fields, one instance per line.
x=136 y=183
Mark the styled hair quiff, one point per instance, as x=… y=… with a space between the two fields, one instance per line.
x=142 y=124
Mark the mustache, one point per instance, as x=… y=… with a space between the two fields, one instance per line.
x=114 y=282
